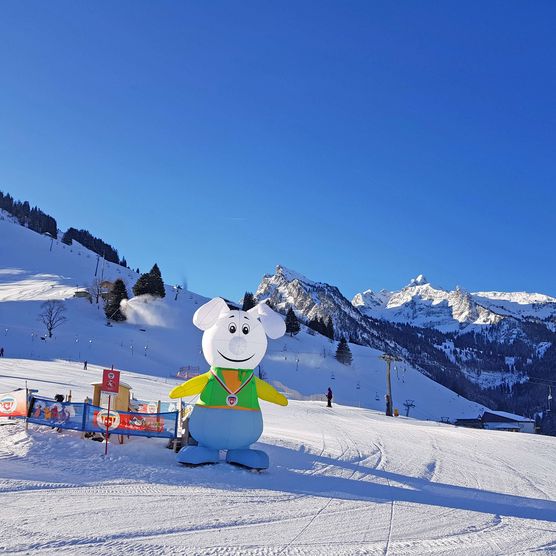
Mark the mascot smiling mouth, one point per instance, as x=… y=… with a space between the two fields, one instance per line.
x=235 y=360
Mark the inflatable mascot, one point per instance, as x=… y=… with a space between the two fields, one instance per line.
x=227 y=415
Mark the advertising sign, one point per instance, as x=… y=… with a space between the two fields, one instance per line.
x=146 y=406
x=125 y=422
x=141 y=424
x=13 y=404
x=110 y=381
x=143 y=406
x=107 y=421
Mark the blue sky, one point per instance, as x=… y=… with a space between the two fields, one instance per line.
x=359 y=143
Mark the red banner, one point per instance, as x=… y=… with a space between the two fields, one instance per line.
x=128 y=422
x=14 y=404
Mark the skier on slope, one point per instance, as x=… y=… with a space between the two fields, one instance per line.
x=329 y=397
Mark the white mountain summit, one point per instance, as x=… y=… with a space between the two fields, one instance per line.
x=421 y=304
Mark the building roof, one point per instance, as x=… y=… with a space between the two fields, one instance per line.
x=503 y=417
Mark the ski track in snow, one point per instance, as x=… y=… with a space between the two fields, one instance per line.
x=342 y=481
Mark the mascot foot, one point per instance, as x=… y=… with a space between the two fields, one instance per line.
x=197 y=455
x=254 y=459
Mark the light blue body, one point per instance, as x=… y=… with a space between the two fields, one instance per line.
x=225 y=429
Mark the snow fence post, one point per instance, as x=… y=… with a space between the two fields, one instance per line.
x=85 y=412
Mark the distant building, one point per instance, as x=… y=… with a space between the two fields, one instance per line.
x=500 y=421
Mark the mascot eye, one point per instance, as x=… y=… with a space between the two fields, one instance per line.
x=232 y=328
x=245 y=329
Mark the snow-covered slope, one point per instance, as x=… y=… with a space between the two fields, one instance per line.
x=159 y=337
x=522 y=305
x=342 y=481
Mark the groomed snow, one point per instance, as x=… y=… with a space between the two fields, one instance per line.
x=342 y=481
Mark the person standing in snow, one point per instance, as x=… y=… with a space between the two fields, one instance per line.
x=1 y=352
x=329 y=397
x=85 y=365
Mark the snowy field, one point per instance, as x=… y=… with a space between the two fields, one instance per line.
x=342 y=481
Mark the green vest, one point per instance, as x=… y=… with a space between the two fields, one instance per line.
x=230 y=389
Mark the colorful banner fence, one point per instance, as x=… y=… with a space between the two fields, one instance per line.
x=89 y=418
x=62 y=415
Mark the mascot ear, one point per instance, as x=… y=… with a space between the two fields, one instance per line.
x=206 y=315
x=272 y=322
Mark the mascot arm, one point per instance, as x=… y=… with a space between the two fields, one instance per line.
x=268 y=393
x=190 y=387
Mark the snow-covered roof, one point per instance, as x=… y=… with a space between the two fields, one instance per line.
x=510 y=416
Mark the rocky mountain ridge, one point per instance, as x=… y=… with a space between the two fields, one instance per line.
x=490 y=346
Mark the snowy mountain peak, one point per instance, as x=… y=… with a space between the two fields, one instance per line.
x=372 y=299
x=312 y=300
x=420 y=280
x=423 y=305
x=291 y=275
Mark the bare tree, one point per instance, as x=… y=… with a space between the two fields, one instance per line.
x=95 y=289
x=52 y=315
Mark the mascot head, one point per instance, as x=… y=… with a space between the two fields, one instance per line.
x=236 y=339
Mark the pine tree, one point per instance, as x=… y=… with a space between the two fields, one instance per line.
x=113 y=299
x=150 y=283
x=329 y=328
x=343 y=353
x=143 y=285
x=318 y=325
x=292 y=324
x=157 y=283
x=248 y=301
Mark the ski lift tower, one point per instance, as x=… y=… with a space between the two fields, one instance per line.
x=389 y=403
x=408 y=404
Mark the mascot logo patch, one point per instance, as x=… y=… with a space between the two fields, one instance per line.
x=113 y=422
x=8 y=404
